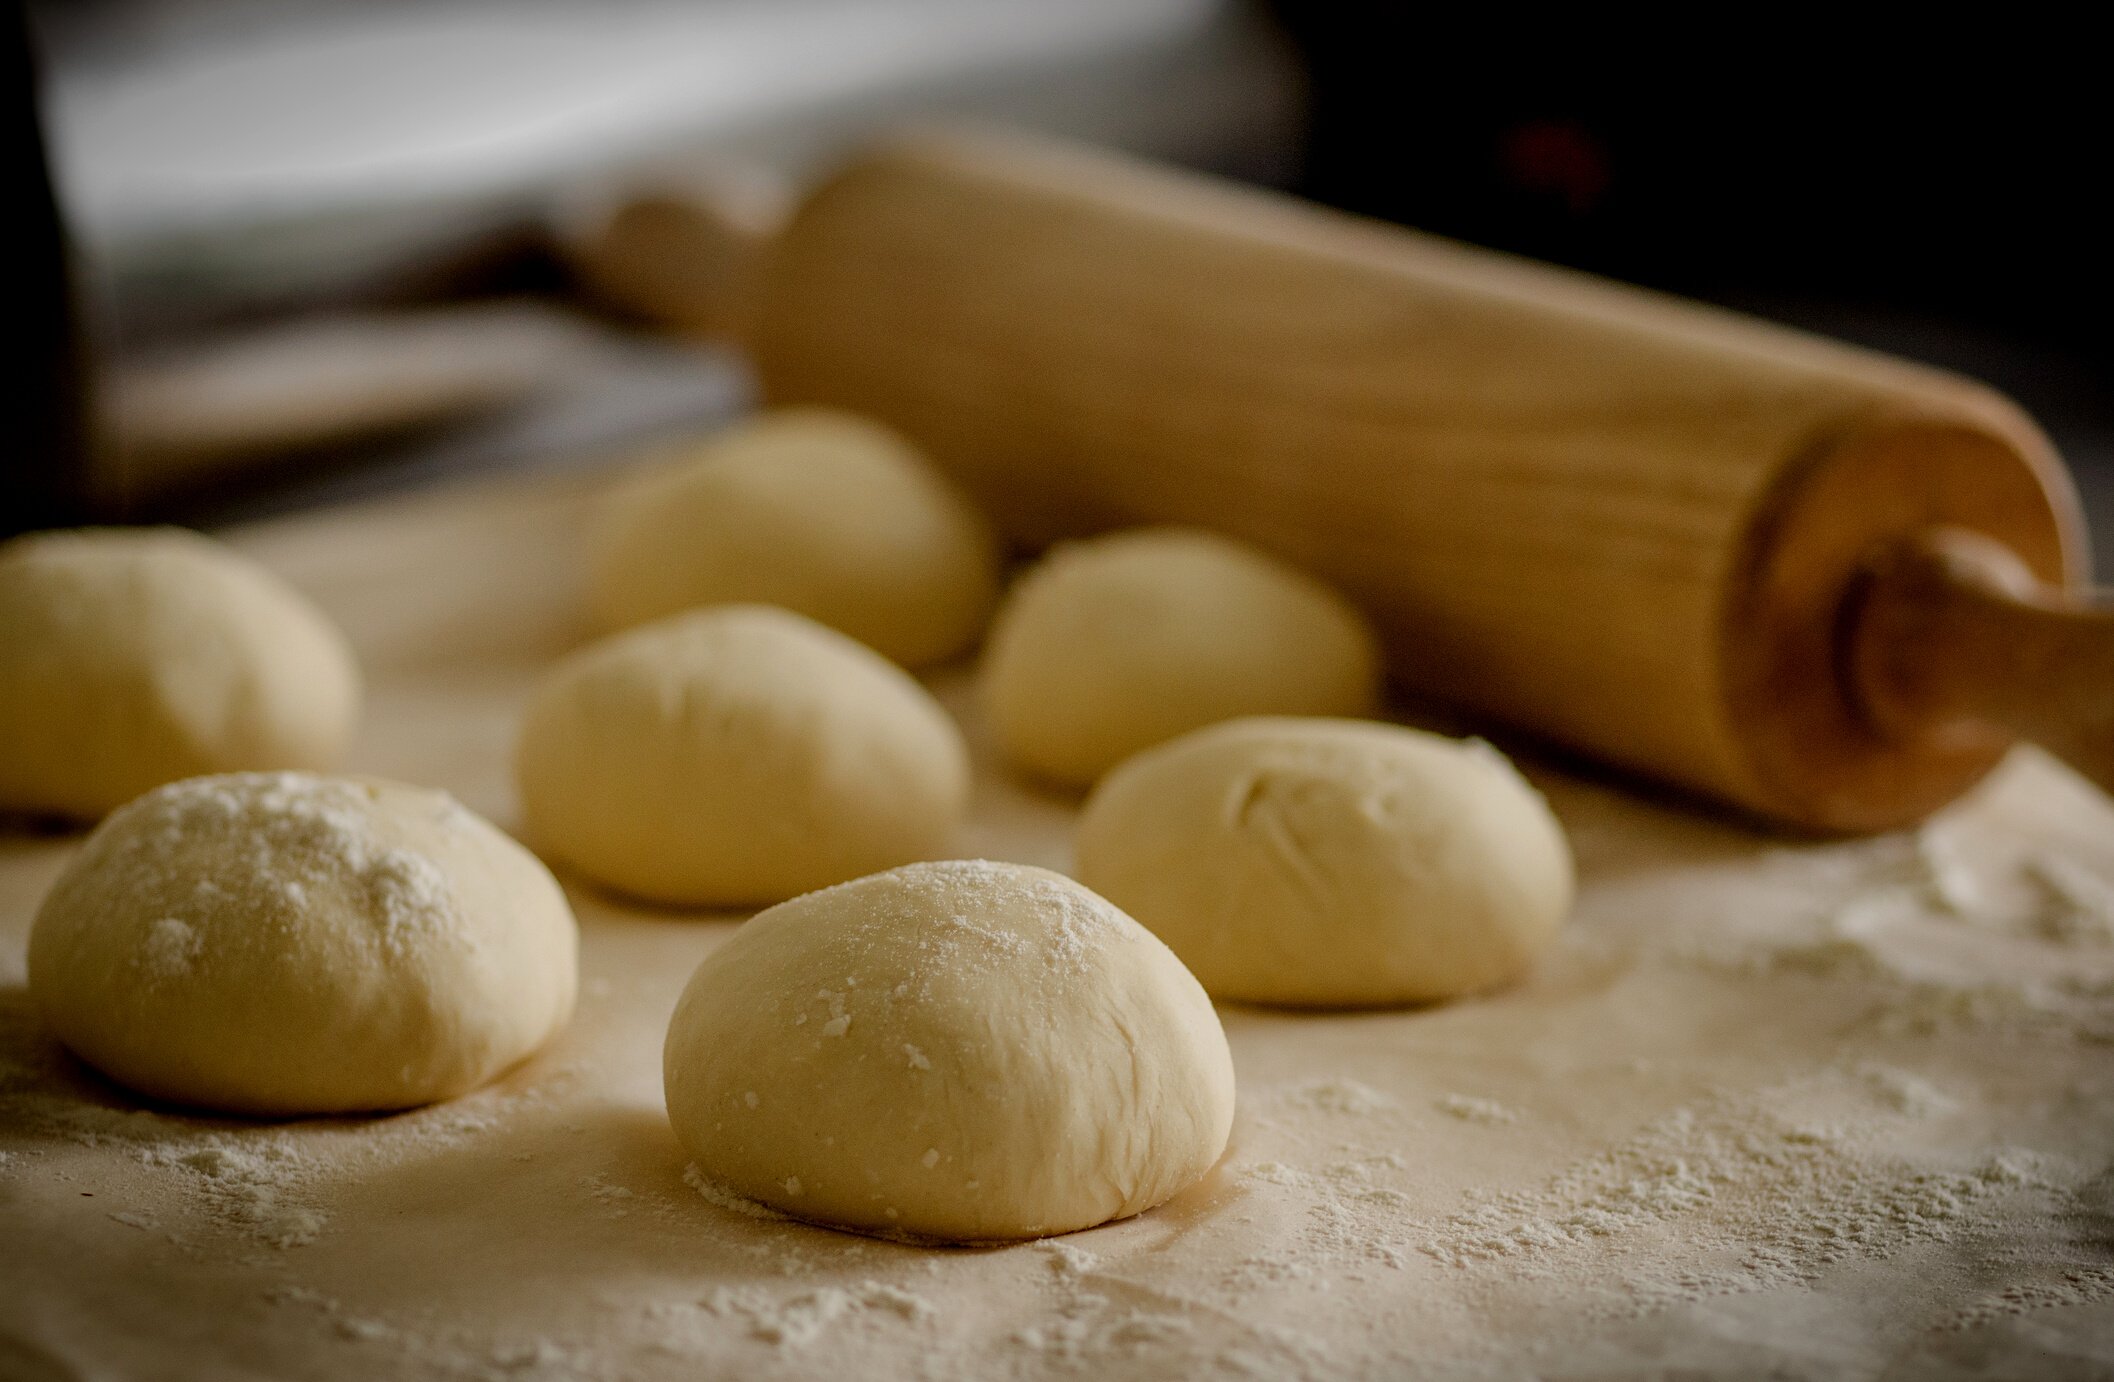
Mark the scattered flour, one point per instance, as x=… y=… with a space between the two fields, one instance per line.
x=2076 y=906
x=409 y=893
x=1907 y=1094
x=618 y=1199
x=1075 y=925
x=289 y=838
x=171 y=948
x=256 y=1184
x=716 y=1194
x=798 y=1319
x=1883 y=926
x=1067 y=1259
x=1340 y=1095
x=1108 y=1319
x=2075 y=1287
x=533 y=1354
x=1732 y=1182
x=1470 y=1109
x=1089 y=1328
x=1939 y=876
x=839 y=1021
x=2051 y=1009
x=260 y=1181
x=2033 y=893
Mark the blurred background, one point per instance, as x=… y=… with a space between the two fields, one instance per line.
x=285 y=252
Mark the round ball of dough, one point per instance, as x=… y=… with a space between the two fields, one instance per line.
x=134 y=657
x=735 y=756
x=1115 y=644
x=280 y=943
x=1331 y=862
x=962 y=1051
x=822 y=512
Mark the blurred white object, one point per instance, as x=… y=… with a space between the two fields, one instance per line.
x=306 y=150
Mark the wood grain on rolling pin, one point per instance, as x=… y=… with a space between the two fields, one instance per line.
x=1608 y=517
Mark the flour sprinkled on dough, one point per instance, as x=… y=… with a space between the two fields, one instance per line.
x=285 y=943
x=1000 y=1054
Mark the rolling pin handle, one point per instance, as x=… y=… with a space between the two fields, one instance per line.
x=682 y=253
x=1952 y=639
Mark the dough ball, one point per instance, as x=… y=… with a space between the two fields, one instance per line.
x=1331 y=862
x=734 y=756
x=1112 y=645
x=280 y=943
x=134 y=657
x=822 y=512
x=961 y=1051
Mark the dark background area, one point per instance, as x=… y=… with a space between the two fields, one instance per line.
x=1962 y=180
x=40 y=483
x=1938 y=198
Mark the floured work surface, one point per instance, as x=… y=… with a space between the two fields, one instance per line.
x=1830 y=1109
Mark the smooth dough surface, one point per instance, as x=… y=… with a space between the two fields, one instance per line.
x=820 y=511
x=963 y=1051
x=735 y=756
x=1112 y=645
x=1331 y=862
x=134 y=657
x=281 y=943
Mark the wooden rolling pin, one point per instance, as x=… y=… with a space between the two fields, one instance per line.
x=1815 y=582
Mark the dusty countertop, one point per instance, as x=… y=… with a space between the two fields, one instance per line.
x=1769 y=1106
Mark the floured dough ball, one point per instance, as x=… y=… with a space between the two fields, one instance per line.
x=1112 y=645
x=734 y=756
x=134 y=657
x=1331 y=862
x=822 y=512
x=281 y=944
x=960 y=1051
